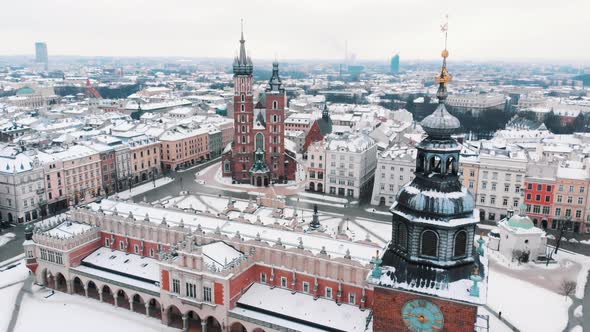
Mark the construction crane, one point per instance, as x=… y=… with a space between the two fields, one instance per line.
x=91 y=91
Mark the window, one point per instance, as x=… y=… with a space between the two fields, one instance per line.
x=530 y=186
x=471 y=172
x=568 y=212
x=351 y=298
x=561 y=187
x=306 y=287
x=557 y=212
x=517 y=189
x=284 y=282
x=539 y=187
x=402 y=236
x=429 y=244
x=578 y=214
x=536 y=209
x=482 y=199
x=152 y=253
x=546 y=210
x=329 y=292
x=136 y=249
x=582 y=189
x=263 y=278
x=460 y=248
x=505 y=202
x=176 y=286
x=571 y=189
x=580 y=200
x=515 y=203
x=559 y=198
x=207 y=294
x=484 y=185
x=549 y=188
x=537 y=197
x=191 y=290
x=493 y=200
x=121 y=245
x=107 y=242
x=506 y=187
x=494 y=186
x=547 y=198
x=570 y=199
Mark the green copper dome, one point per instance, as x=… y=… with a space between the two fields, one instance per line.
x=518 y=221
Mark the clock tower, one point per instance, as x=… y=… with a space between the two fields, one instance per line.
x=429 y=278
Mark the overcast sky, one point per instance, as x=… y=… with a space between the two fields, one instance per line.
x=301 y=29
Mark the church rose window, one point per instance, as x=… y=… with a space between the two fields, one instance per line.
x=460 y=244
x=429 y=244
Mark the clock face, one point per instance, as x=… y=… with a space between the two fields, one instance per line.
x=422 y=316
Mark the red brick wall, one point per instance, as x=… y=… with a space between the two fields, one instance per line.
x=388 y=303
x=132 y=242
x=218 y=293
x=241 y=282
x=314 y=135
x=165 y=280
x=77 y=255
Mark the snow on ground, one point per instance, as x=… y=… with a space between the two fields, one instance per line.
x=373 y=210
x=577 y=328
x=582 y=276
x=522 y=304
x=578 y=312
x=14 y=276
x=38 y=313
x=324 y=197
x=5 y=238
x=320 y=203
x=144 y=187
x=496 y=325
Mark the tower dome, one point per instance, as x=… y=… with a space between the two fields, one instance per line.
x=440 y=123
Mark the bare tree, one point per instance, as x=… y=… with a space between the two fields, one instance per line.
x=567 y=287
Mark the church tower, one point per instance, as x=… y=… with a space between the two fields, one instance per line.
x=243 y=149
x=428 y=278
x=433 y=217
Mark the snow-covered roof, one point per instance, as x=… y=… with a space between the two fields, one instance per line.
x=303 y=308
x=67 y=228
x=123 y=262
x=220 y=254
x=334 y=247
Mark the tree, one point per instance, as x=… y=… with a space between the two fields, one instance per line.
x=567 y=288
x=579 y=123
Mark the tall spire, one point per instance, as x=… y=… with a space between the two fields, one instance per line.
x=444 y=77
x=243 y=59
x=242 y=63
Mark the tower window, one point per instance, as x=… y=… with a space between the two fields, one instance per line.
x=460 y=247
x=429 y=244
x=275 y=105
x=402 y=236
x=242 y=108
x=243 y=97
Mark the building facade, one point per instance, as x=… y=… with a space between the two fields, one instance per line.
x=350 y=165
x=395 y=168
x=316 y=167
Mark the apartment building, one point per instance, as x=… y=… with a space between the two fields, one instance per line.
x=570 y=197
x=501 y=182
x=315 y=167
x=395 y=167
x=22 y=188
x=183 y=147
x=351 y=162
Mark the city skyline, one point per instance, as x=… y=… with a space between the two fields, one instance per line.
x=502 y=31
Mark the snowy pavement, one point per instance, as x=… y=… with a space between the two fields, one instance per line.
x=35 y=312
x=5 y=238
x=144 y=188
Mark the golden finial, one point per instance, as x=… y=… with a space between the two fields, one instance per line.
x=444 y=77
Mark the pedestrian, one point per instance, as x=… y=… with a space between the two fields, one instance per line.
x=500 y=314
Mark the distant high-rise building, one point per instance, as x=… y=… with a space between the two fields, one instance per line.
x=41 y=54
x=394 y=66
